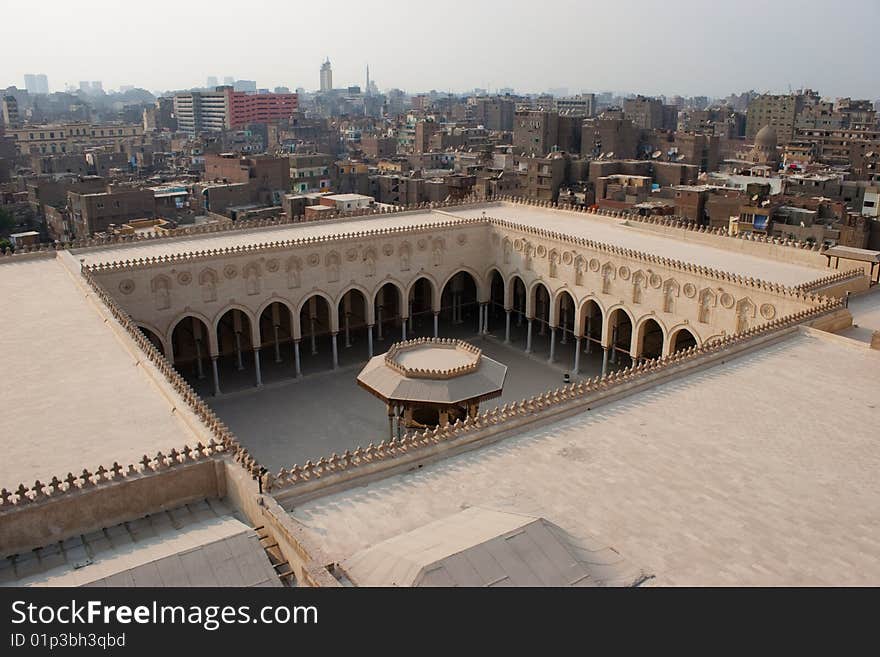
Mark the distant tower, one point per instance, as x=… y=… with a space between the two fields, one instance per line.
x=367 y=88
x=326 y=76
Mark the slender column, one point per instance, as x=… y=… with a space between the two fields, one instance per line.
x=542 y=329
x=552 y=344
x=507 y=327
x=481 y=310
x=589 y=346
x=604 y=361
x=577 y=357
x=370 y=341
x=335 y=353
x=379 y=323
x=216 y=375
x=347 y=330
x=238 y=362
x=529 y=338
x=486 y=318
x=277 y=345
x=614 y=346
x=199 y=368
x=436 y=325
x=403 y=329
x=564 y=339
x=257 y=366
x=296 y=362
x=391 y=423
x=312 y=335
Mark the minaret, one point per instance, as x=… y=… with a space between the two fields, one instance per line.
x=367 y=90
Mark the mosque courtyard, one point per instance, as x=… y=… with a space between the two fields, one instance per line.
x=288 y=421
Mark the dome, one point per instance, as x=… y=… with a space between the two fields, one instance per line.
x=766 y=137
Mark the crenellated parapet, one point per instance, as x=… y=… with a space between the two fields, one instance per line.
x=473 y=353
x=832 y=279
x=668 y=221
x=277 y=245
x=88 y=480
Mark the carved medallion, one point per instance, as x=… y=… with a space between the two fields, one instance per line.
x=126 y=286
x=461 y=239
x=768 y=311
x=594 y=264
x=689 y=290
x=184 y=278
x=230 y=271
x=542 y=250
x=272 y=265
x=567 y=257
x=518 y=245
x=314 y=259
x=656 y=281
x=422 y=244
x=352 y=254
x=388 y=249
x=623 y=272
x=727 y=300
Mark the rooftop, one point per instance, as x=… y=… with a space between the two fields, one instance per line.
x=677 y=478
x=599 y=228
x=67 y=400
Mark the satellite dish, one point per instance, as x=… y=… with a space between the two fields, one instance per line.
x=656 y=154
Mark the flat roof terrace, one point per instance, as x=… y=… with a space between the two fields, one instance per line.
x=73 y=393
x=576 y=224
x=233 y=238
x=700 y=481
x=616 y=232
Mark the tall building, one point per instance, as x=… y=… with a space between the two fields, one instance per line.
x=36 y=83
x=211 y=82
x=580 y=105
x=326 y=76
x=228 y=80
x=224 y=109
x=779 y=112
x=645 y=113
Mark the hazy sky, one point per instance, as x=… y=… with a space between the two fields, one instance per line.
x=687 y=47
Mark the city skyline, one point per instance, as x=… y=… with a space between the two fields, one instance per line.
x=670 y=49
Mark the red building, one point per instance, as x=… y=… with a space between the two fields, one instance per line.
x=247 y=108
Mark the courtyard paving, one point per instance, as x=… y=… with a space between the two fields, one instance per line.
x=289 y=421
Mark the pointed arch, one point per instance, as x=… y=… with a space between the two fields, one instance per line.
x=681 y=336
x=649 y=338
